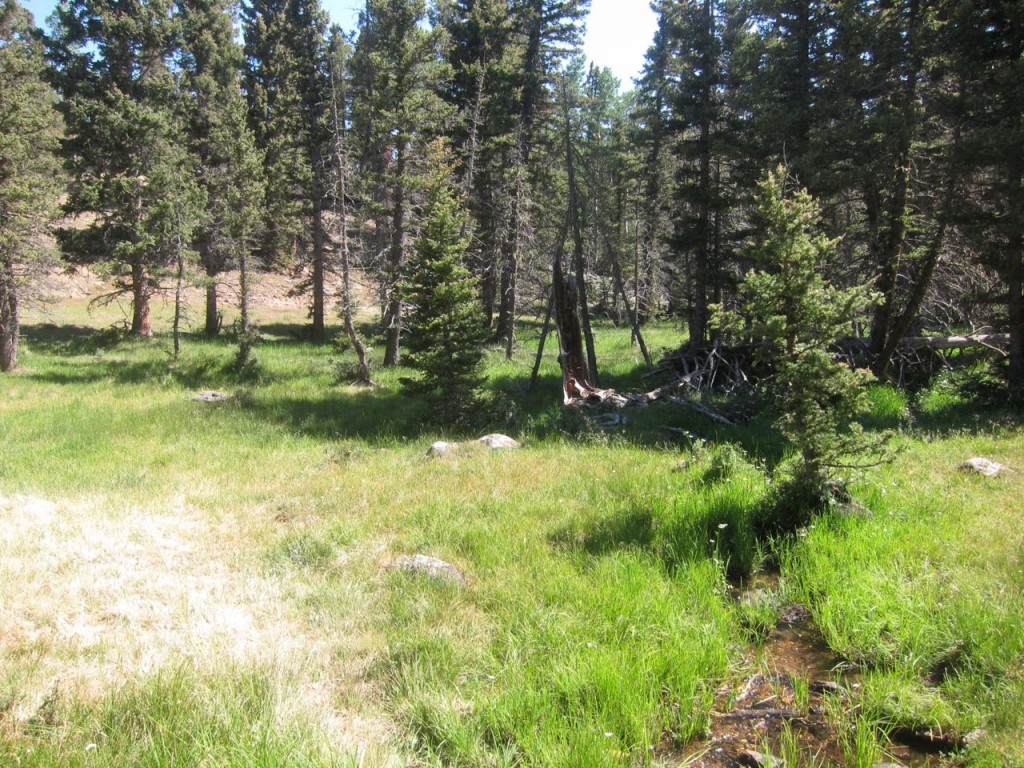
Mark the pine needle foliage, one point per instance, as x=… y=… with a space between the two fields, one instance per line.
x=446 y=328
x=29 y=172
x=796 y=316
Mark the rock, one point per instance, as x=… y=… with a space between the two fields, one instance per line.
x=972 y=738
x=431 y=567
x=826 y=687
x=752 y=759
x=441 y=448
x=981 y=466
x=888 y=765
x=211 y=396
x=853 y=509
x=499 y=441
x=792 y=615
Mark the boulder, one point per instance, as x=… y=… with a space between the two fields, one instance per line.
x=981 y=466
x=431 y=567
x=441 y=448
x=498 y=441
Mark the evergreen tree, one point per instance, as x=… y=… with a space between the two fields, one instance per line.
x=983 y=45
x=650 y=135
x=486 y=54
x=552 y=31
x=445 y=328
x=796 y=316
x=222 y=146
x=397 y=78
x=121 y=107
x=29 y=177
x=286 y=84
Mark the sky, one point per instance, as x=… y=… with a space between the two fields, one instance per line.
x=618 y=31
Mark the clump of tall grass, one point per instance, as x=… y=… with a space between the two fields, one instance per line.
x=177 y=718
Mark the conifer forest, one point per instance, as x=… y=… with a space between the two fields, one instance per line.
x=427 y=396
x=187 y=147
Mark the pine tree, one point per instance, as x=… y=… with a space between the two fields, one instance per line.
x=286 y=85
x=485 y=53
x=397 y=77
x=983 y=46
x=221 y=143
x=122 y=112
x=445 y=328
x=796 y=317
x=552 y=31
x=29 y=171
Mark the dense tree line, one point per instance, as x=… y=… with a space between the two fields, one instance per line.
x=188 y=152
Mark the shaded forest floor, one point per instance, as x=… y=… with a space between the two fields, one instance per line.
x=186 y=583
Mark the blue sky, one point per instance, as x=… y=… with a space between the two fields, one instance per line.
x=618 y=31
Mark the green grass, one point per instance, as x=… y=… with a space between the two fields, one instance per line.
x=173 y=719
x=597 y=621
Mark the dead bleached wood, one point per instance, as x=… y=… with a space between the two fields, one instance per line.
x=997 y=341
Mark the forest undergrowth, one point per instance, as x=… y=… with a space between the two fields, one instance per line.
x=191 y=583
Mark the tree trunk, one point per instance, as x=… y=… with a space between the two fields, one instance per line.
x=1015 y=310
x=509 y=231
x=245 y=340
x=699 y=315
x=319 y=270
x=179 y=290
x=213 y=320
x=393 y=314
x=575 y=373
x=922 y=281
x=579 y=266
x=141 y=321
x=1015 y=283
x=8 y=318
x=894 y=242
x=545 y=329
x=631 y=311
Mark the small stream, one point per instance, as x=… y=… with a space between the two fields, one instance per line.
x=796 y=682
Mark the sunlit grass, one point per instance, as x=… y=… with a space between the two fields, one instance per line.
x=235 y=556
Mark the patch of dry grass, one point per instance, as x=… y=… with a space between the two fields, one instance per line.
x=97 y=594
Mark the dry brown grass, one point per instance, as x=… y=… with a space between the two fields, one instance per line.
x=96 y=594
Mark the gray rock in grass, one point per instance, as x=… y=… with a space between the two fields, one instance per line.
x=211 y=396
x=431 y=567
x=827 y=687
x=982 y=466
x=441 y=448
x=498 y=441
x=972 y=738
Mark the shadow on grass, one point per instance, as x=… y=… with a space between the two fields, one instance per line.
x=62 y=340
x=388 y=414
x=696 y=525
x=373 y=416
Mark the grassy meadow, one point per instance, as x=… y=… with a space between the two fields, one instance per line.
x=207 y=584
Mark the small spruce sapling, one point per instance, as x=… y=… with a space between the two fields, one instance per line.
x=797 y=316
x=446 y=328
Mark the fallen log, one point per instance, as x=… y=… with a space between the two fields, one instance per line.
x=998 y=341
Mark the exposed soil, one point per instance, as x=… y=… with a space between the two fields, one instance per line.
x=270 y=290
x=797 y=684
